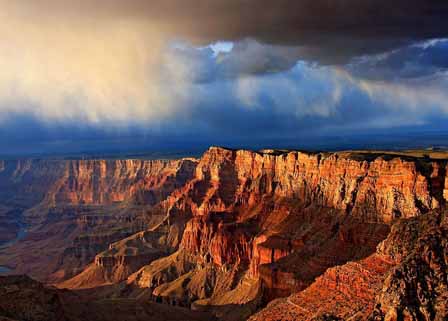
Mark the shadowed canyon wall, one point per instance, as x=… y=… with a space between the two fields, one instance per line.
x=233 y=228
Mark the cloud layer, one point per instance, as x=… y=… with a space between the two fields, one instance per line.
x=80 y=69
x=266 y=20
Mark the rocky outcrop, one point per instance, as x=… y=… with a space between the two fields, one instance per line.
x=22 y=298
x=380 y=189
x=97 y=182
x=106 y=182
x=96 y=201
x=87 y=246
x=270 y=250
x=280 y=218
x=182 y=279
x=216 y=241
x=328 y=241
x=234 y=191
x=417 y=288
x=404 y=280
x=121 y=259
x=342 y=292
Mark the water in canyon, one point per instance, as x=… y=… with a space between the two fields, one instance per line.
x=21 y=234
x=4 y=270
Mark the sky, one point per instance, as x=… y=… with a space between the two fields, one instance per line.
x=175 y=74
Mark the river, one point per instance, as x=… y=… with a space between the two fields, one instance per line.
x=4 y=270
x=20 y=235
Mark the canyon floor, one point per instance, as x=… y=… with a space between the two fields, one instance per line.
x=232 y=235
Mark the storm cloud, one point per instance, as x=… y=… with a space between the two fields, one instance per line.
x=268 y=21
x=73 y=70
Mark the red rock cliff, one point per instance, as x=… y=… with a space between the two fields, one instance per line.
x=285 y=216
x=234 y=199
x=379 y=189
x=95 y=181
x=239 y=182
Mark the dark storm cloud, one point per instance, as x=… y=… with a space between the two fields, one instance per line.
x=330 y=32
x=271 y=20
x=421 y=59
x=317 y=22
x=247 y=57
x=250 y=57
x=257 y=91
x=77 y=71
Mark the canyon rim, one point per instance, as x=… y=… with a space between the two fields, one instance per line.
x=234 y=234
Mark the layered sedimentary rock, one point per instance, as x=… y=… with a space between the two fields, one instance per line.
x=121 y=259
x=233 y=227
x=92 y=182
x=380 y=188
x=25 y=183
x=217 y=241
x=377 y=189
x=87 y=246
x=97 y=201
x=183 y=279
x=404 y=280
x=287 y=217
x=417 y=288
x=105 y=182
x=340 y=293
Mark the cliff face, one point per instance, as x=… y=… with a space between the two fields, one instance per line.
x=417 y=288
x=121 y=259
x=235 y=195
x=286 y=218
x=94 y=182
x=25 y=183
x=191 y=230
x=379 y=189
x=75 y=209
x=405 y=279
x=106 y=182
x=217 y=242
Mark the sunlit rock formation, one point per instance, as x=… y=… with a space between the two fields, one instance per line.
x=228 y=232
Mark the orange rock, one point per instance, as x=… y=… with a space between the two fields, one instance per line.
x=284 y=216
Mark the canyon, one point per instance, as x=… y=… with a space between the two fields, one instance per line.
x=232 y=235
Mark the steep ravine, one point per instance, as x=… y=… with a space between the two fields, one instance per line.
x=228 y=232
x=74 y=209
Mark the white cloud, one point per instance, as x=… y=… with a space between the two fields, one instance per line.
x=86 y=70
x=121 y=72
